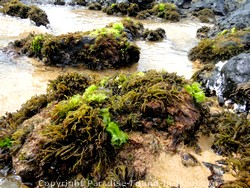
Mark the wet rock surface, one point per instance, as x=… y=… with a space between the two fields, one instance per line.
x=238 y=19
x=229 y=80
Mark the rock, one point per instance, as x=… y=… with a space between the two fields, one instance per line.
x=223 y=46
x=95 y=6
x=188 y=160
x=218 y=6
x=235 y=72
x=230 y=80
x=154 y=35
x=202 y=32
x=98 y=49
x=18 y=9
x=205 y=15
x=238 y=19
x=59 y=2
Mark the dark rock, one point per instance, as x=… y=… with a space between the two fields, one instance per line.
x=230 y=81
x=239 y=19
x=218 y=6
x=154 y=35
x=202 y=32
x=59 y=2
x=188 y=160
x=95 y=6
x=235 y=72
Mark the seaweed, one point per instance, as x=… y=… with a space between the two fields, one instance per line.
x=195 y=91
x=118 y=137
x=222 y=47
x=232 y=133
x=205 y=15
x=85 y=129
x=67 y=85
x=5 y=143
x=18 y=9
x=36 y=44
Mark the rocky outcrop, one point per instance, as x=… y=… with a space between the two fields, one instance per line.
x=154 y=35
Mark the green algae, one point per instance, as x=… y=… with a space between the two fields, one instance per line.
x=118 y=137
x=36 y=44
x=5 y=143
x=195 y=91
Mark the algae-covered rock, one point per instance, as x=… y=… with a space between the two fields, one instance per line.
x=224 y=46
x=95 y=6
x=232 y=140
x=98 y=49
x=166 y=11
x=202 y=32
x=154 y=35
x=84 y=133
x=205 y=15
x=18 y=9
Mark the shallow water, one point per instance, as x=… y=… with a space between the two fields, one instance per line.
x=167 y=170
x=20 y=78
